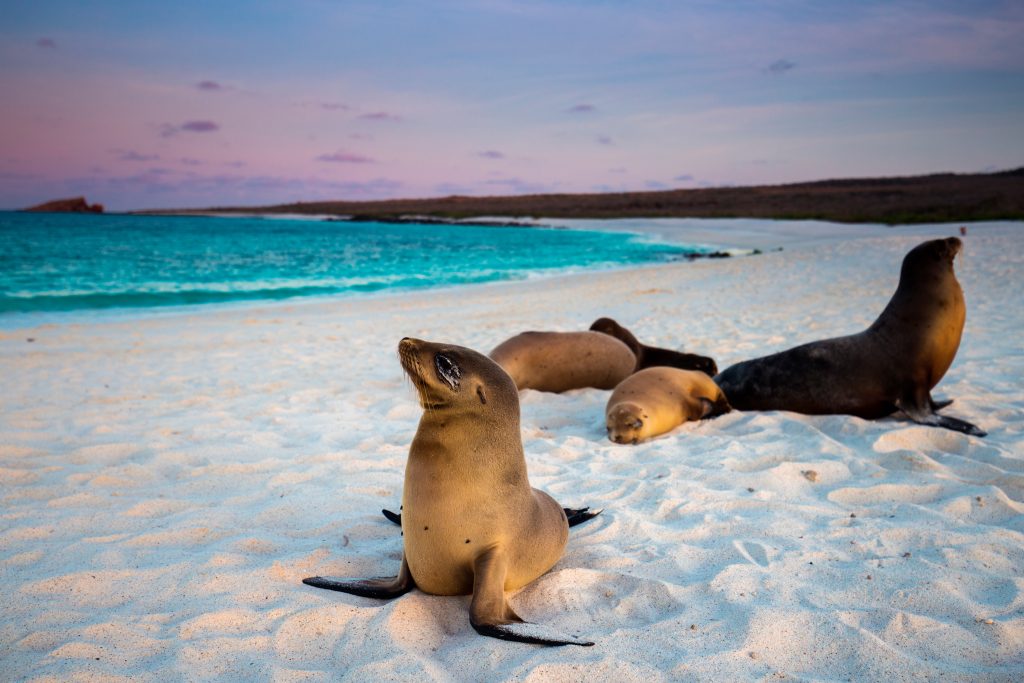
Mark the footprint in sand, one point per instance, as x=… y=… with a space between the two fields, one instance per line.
x=753 y=551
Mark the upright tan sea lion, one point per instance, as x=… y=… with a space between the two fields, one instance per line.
x=652 y=356
x=891 y=365
x=560 y=361
x=471 y=523
x=656 y=400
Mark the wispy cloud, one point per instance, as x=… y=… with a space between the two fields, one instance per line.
x=684 y=178
x=491 y=154
x=168 y=130
x=200 y=126
x=583 y=108
x=46 y=43
x=519 y=186
x=380 y=116
x=605 y=140
x=781 y=66
x=341 y=157
x=211 y=86
x=132 y=155
x=325 y=105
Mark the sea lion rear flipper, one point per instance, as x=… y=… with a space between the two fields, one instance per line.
x=395 y=517
x=939 y=405
x=490 y=613
x=383 y=588
x=579 y=515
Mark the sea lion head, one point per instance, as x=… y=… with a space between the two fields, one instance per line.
x=614 y=329
x=926 y=256
x=449 y=377
x=626 y=423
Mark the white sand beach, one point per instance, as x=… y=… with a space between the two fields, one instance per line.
x=167 y=482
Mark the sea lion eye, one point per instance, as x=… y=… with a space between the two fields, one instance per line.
x=447 y=371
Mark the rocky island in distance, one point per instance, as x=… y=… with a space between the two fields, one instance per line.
x=71 y=205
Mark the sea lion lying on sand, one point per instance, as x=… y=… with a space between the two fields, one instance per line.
x=651 y=356
x=560 y=361
x=471 y=522
x=657 y=400
x=890 y=366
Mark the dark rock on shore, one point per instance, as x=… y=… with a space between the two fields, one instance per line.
x=72 y=205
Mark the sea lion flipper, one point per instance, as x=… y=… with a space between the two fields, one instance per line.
x=939 y=405
x=383 y=588
x=491 y=615
x=579 y=515
x=958 y=425
x=926 y=416
x=395 y=517
x=525 y=632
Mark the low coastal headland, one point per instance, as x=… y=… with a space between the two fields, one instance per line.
x=71 y=205
x=946 y=197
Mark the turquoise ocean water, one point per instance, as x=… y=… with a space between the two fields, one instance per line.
x=51 y=263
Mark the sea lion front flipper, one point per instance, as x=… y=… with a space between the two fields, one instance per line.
x=491 y=615
x=579 y=515
x=927 y=416
x=383 y=588
x=958 y=425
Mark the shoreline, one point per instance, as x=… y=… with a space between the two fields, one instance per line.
x=724 y=237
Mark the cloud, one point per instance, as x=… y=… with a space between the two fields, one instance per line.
x=132 y=155
x=200 y=126
x=46 y=43
x=581 y=109
x=491 y=154
x=341 y=157
x=605 y=140
x=781 y=66
x=212 y=86
x=655 y=185
x=684 y=178
x=169 y=130
x=380 y=116
x=188 y=161
x=323 y=104
x=519 y=186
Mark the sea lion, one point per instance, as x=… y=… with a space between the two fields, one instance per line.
x=652 y=356
x=472 y=523
x=560 y=361
x=656 y=400
x=891 y=365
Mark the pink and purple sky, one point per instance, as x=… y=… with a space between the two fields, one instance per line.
x=188 y=104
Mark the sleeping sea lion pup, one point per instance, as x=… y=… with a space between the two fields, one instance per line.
x=891 y=365
x=652 y=356
x=560 y=361
x=472 y=524
x=657 y=400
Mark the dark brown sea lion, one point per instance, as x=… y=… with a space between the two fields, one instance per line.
x=890 y=366
x=471 y=522
x=560 y=361
x=651 y=356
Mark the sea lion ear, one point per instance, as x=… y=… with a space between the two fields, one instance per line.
x=480 y=394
